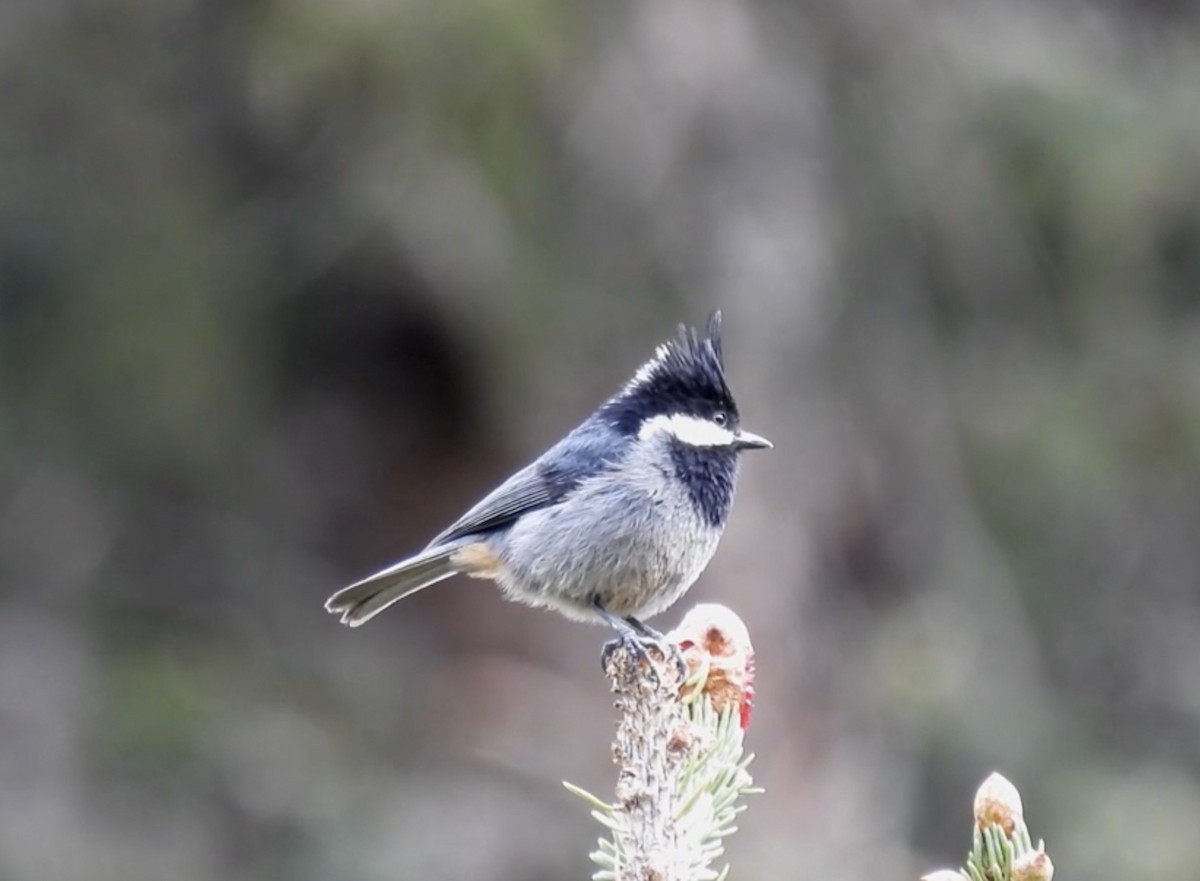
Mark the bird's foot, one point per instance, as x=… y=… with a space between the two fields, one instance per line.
x=646 y=653
x=640 y=641
x=660 y=640
x=648 y=650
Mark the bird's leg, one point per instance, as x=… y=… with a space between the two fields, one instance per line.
x=643 y=629
x=648 y=632
x=637 y=638
x=629 y=637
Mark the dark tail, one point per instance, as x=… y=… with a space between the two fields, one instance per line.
x=367 y=598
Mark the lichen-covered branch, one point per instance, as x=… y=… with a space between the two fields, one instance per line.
x=678 y=750
x=655 y=738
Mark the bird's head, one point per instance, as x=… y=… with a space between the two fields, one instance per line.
x=681 y=393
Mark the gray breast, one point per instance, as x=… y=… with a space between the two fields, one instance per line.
x=632 y=537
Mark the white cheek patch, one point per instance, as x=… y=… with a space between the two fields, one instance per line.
x=690 y=430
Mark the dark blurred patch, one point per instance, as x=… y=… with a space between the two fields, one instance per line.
x=855 y=541
x=366 y=328
x=1168 y=13
x=1178 y=253
x=30 y=306
x=382 y=405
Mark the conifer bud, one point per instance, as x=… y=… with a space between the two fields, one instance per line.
x=997 y=801
x=716 y=647
x=1033 y=866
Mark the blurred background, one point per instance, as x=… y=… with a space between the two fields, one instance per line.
x=286 y=284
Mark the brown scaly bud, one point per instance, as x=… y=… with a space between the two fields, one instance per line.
x=1033 y=866
x=720 y=659
x=998 y=801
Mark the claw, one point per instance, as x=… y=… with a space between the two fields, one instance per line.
x=638 y=639
x=630 y=642
x=647 y=652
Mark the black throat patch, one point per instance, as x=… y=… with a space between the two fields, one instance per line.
x=709 y=474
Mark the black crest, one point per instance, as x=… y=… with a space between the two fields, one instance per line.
x=686 y=375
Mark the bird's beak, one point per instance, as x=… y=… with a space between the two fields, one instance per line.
x=748 y=440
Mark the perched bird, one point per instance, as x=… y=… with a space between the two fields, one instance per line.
x=614 y=522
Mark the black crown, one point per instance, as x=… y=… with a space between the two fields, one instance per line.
x=686 y=375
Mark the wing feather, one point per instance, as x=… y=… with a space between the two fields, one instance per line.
x=524 y=491
x=587 y=451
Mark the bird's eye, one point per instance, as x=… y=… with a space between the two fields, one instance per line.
x=720 y=418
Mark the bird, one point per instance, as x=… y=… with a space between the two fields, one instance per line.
x=616 y=520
